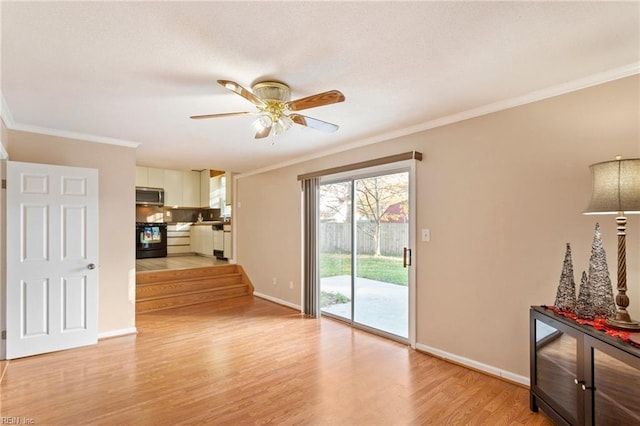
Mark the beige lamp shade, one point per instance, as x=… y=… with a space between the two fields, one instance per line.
x=616 y=187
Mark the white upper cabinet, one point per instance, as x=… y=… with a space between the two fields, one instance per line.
x=142 y=176
x=172 y=188
x=190 y=189
x=204 y=188
x=156 y=178
x=149 y=177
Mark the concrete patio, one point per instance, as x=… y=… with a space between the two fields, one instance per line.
x=377 y=304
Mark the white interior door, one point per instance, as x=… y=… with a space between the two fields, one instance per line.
x=52 y=250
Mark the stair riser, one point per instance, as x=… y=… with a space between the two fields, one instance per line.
x=184 y=274
x=153 y=290
x=190 y=299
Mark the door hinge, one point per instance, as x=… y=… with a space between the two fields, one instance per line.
x=4 y=334
x=4 y=184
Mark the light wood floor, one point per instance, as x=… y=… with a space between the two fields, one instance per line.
x=177 y=262
x=250 y=361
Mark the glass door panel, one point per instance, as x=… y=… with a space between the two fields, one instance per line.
x=557 y=367
x=615 y=401
x=381 y=297
x=335 y=247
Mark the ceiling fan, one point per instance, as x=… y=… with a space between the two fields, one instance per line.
x=272 y=101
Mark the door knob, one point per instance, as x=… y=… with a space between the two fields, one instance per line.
x=91 y=266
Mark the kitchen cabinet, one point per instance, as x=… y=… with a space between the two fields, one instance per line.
x=181 y=189
x=582 y=376
x=149 y=177
x=142 y=176
x=178 y=238
x=190 y=189
x=155 y=177
x=205 y=178
x=202 y=239
x=172 y=188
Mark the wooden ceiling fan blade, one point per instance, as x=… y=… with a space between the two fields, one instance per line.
x=314 y=123
x=263 y=133
x=224 y=114
x=235 y=87
x=320 y=99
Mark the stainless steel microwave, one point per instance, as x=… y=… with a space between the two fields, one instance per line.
x=149 y=196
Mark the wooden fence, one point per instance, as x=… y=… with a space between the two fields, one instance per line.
x=336 y=238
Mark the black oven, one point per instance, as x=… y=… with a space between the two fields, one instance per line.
x=151 y=240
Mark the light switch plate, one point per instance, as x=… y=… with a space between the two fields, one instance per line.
x=426 y=235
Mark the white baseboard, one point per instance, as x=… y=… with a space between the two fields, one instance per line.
x=278 y=301
x=489 y=369
x=117 y=333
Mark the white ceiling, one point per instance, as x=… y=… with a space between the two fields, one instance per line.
x=134 y=72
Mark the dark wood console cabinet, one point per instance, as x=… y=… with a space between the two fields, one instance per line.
x=582 y=376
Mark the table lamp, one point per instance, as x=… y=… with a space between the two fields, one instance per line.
x=616 y=190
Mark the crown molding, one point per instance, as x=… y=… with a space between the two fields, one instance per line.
x=7 y=117
x=75 y=135
x=5 y=112
x=538 y=95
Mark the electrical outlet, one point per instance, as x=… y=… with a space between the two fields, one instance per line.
x=426 y=235
x=275 y=281
x=290 y=284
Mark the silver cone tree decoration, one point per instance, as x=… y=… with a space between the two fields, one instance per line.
x=599 y=281
x=566 y=294
x=584 y=308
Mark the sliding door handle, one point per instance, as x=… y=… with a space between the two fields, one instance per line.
x=406 y=257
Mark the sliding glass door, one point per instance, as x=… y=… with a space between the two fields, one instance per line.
x=364 y=255
x=335 y=238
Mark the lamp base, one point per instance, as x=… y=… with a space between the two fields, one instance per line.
x=624 y=325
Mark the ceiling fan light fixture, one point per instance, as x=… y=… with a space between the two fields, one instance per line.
x=264 y=121
x=283 y=124
x=272 y=90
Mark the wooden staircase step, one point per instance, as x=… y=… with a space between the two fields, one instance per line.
x=185 y=274
x=186 y=286
x=167 y=289
x=185 y=299
x=175 y=289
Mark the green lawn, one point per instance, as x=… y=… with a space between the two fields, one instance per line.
x=386 y=269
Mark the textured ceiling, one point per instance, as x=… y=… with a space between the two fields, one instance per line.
x=135 y=71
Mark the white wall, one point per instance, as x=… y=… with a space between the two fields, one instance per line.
x=501 y=193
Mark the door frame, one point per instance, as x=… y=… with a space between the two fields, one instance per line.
x=408 y=166
x=3 y=251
